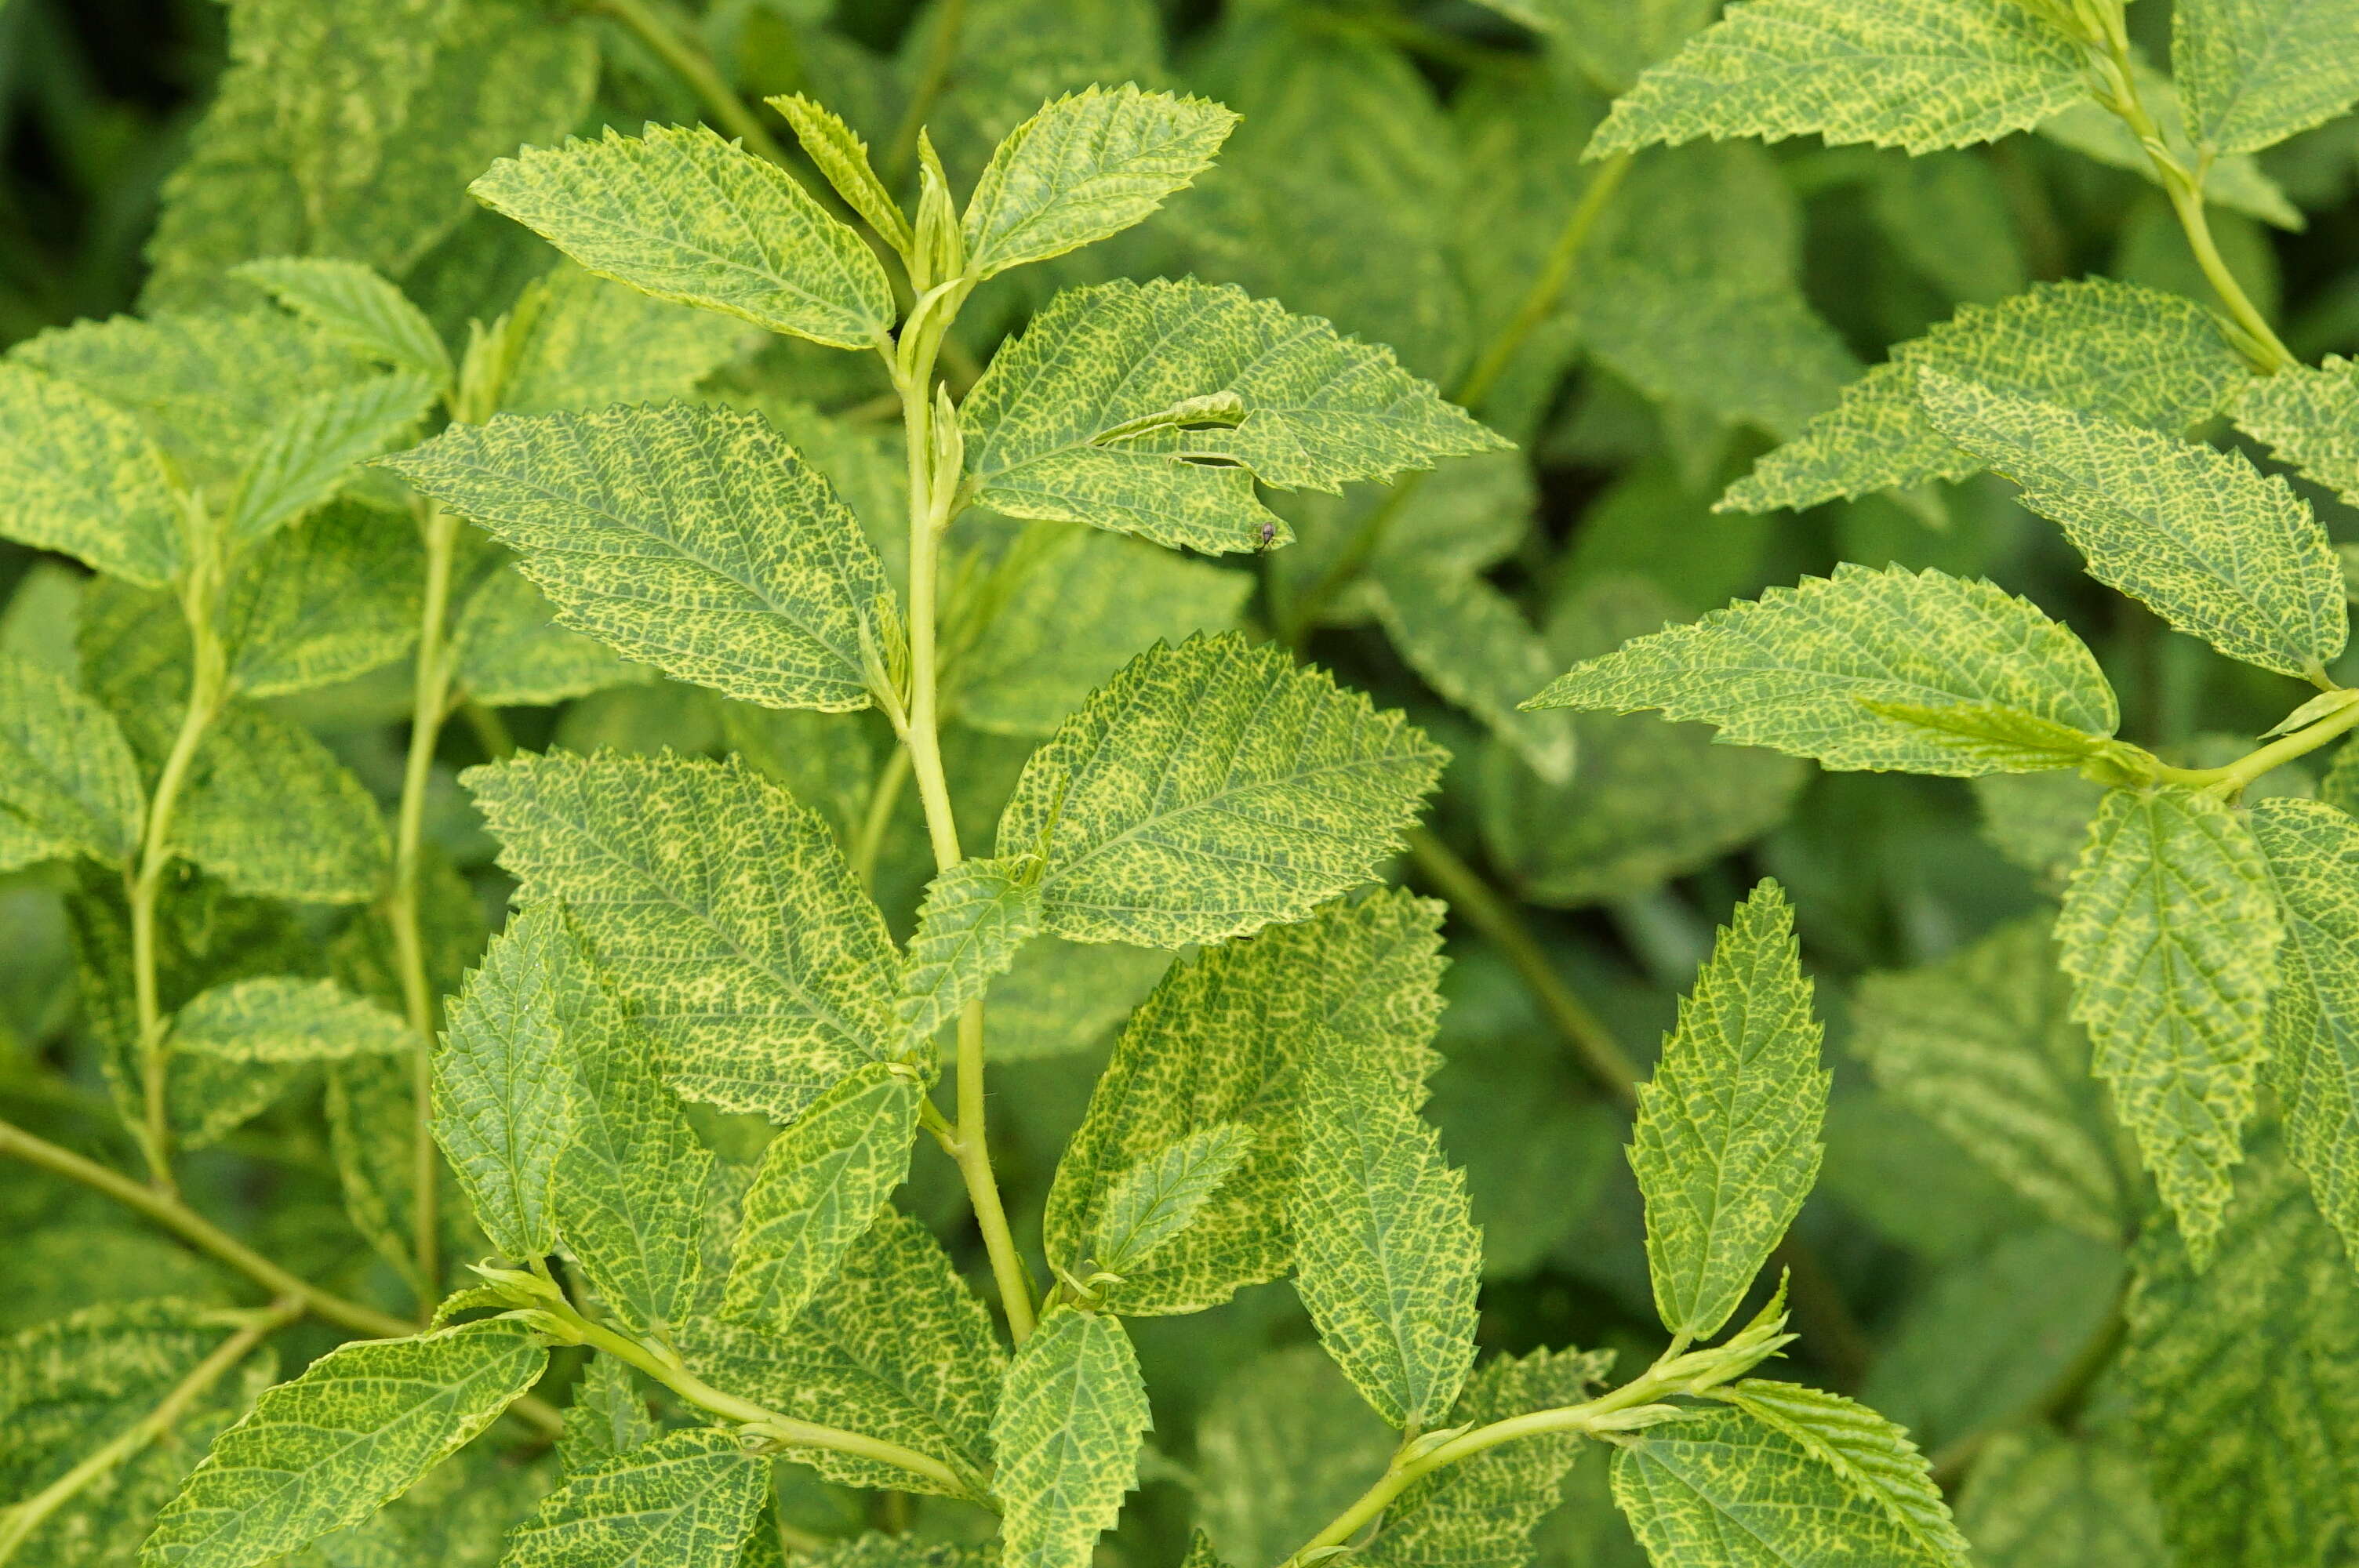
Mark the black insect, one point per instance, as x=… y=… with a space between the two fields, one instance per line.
x=1268 y=539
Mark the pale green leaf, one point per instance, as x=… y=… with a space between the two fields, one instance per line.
x=1088 y=165
x=1727 y=1140
x=1919 y=74
x=1151 y=408
x=503 y=1092
x=1614 y=40
x=69 y=783
x=281 y=1019
x=579 y=341
x=723 y=911
x=351 y=304
x=511 y=652
x=607 y=1418
x=2244 y=1378
x=2310 y=420
x=842 y=156
x=2169 y=931
x=2216 y=547
x=2116 y=349
x=1472 y=645
x=2040 y=1499
x=79 y=476
x=2237 y=182
x=821 y=1185
x=1994 y=736
x=1209 y=789
x=894 y=1345
x=1067 y=1435
x=976 y=916
x=271 y=812
x=1983 y=1045
x=1222 y=1040
x=1872 y=1457
x=2254 y=71
x=1947 y=213
x=371 y=1106
x=1733 y=344
x=2313 y=853
x=334 y=597
x=1386 y=1258
x=687 y=537
x=691 y=1498
x=1791 y=669
x=687 y=216
x=1283 y=1444
x=356 y=1430
x=1151 y=1204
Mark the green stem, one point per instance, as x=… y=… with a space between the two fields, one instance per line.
x=933 y=70
x=21 y=1520
x=693 y=66
x=429 y=704
x=2238 y=774
x=490 y=730
x=868 y=843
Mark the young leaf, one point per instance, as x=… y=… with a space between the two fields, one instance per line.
x=820 y=1187
x=1151 y=408
x=607 y=1418
x=690 y=538
x=279 y=1019
x=842 y=156
x=1068 y=1435
x=2244 y=1378
x=2310 y=420
x=2040 y=1499
x=759 y=990
x=361 y=1425
x=353 y=305
x=1983 y=1045
x=684 y=215
x=690 y=1496
x=1222 y=1040
x=271 y=812
x=309 y=455
x=894 y=1345
x=1209 y=789
x=2216 y=547
x=1386 y=1258
x=2313 y=853
x=2117 y=349
x=68 y=782
x=336 y=596
x=1088 y=165
x=2253 y=73
x=1154 y=1201
x=578 y=341
x=1919 y=74
x=1996 y=737
x=1727 y=1140
x=2169 y=931
x=503 y=1093
x=1872 y=1457
x=1795 y=669
x=79 y=476
x=974 y=919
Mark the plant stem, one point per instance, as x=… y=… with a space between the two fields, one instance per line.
x=933 y=70
x=883 y=795
x=2240 y=773
x=429 y=704
x=19 y=1522
x=693 y=66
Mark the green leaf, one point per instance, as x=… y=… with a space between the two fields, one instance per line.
x=685 y=216
x=357 y=1429
x=1151 y=1204
x=1209 y=789
x=79 y=476
x=271 y=812
x=1983 y=1045
x=1088 y=165
x=689 y=1498
x=2312 y=850
x=758 y=991
x=511 y=652
x=2237 y=182
x=2254 y=71
x=333 y=597
x=1996 y=737
x=894 y=1345
x=67 y=782
x=821 y=1185
x=1794 y=670
x=1481 y=1512
x=2169 y=931
x=1386 y=1258
x=2309 y=419
x=280 y=1019
x=607 y=1418
x=1068 y=1434
x=842 y=156
x=1919 y=74
x=975 y=917
x=1222 y=1040
x=1472 y=645
x=1727 y=1140
x=353 y=305
x=690 y=538
x=1283 y=1444
x=309 y=455
x=2216 y=547
x=2040 y=1499
x=1616 y=41
x=371 y=1109
x=2245 y=1379
x=1151 y=408
x=579 y=341
x=2115 y=349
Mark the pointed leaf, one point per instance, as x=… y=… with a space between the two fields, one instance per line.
x=1874 y=1459
x=2254 y=71
x=1154 y=1201
x=309 y=455
x=511 y=652
x=975 y=917
x=842 y=156
x=2169 y=931
x=2002 y=737
x=280 y=1019
x=1472 y=645
x=689 y=1498
x=351 y=304
x=2310 y=420
x=607 y=1418
x=336 y=596
x=1068 y=1435
x=2313 y=854
x=1727 y=1140
x=67 y=782
x=687 y=216
x=1210 y=789
x=271 y=812
x=79 y=476
x=580 y=341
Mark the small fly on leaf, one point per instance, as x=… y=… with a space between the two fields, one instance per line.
x=1268 y=539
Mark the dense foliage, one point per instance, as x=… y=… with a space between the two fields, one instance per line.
x=780 y=781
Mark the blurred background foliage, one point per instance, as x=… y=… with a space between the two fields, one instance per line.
x=1404 y=168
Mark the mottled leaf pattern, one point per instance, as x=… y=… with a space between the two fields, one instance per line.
x=510 y=651
x=578 y=341
x=308 y=455
x=271 y=812
x=689 y=1498
x=68 y=782
x=286 y=1020
x=2312 y=850
x=842 y=156
x=79 y=476
x=1067 y=1435
x=2038 y=1499
x=2310 y=420
x=353 y=305
x=2253 y=73
x=1155 y=1200
x=331 y=597
x=976 y=916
